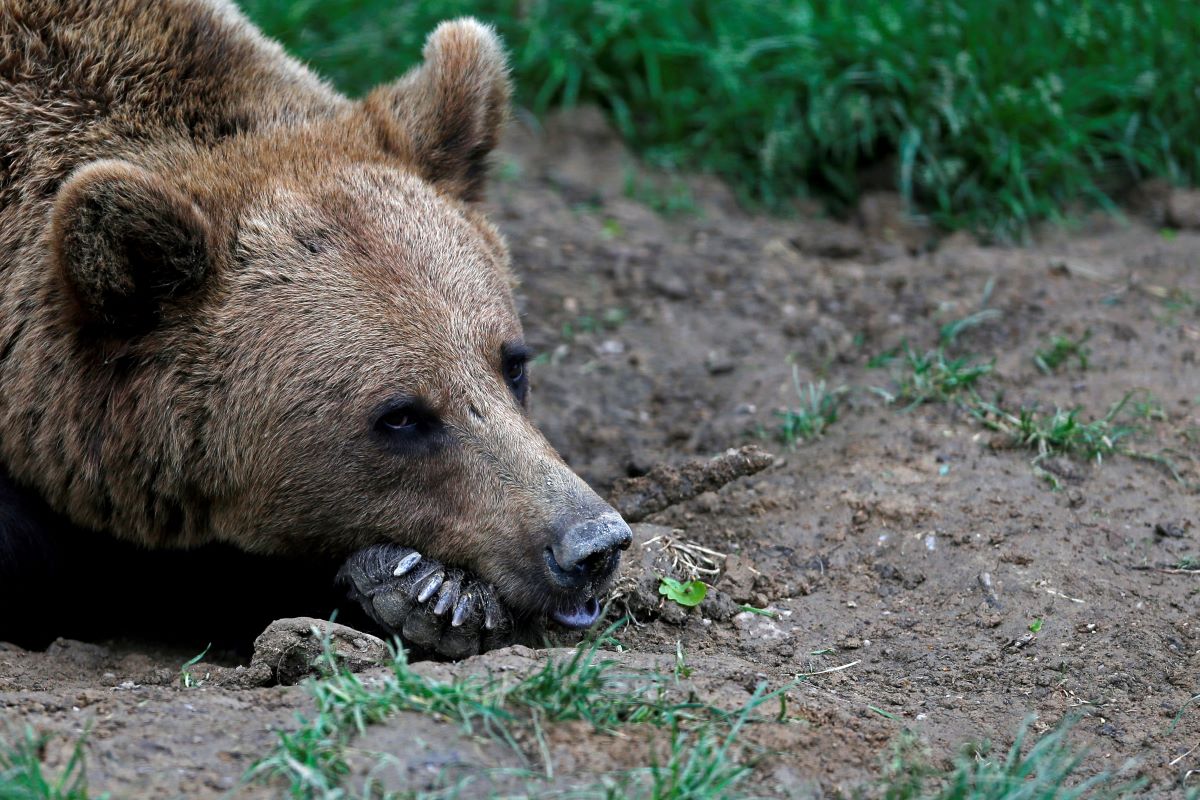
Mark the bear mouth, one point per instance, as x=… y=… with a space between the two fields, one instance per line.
x=578 y=616
x=578 y=608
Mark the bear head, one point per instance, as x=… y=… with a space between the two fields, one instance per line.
x=309 y=331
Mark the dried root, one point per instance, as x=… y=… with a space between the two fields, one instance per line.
x=665 y=486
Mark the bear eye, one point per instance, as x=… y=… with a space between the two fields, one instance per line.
x=516 y=375
x=405 y=419
x=396 y=420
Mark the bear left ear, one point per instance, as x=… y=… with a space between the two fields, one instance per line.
x=445 y=116
x=125 y=241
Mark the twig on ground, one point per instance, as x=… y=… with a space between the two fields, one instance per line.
x=665 y=486
x=831 y=669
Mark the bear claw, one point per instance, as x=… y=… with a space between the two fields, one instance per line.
x=447 y=611
x=407 y=563
x=448 y=595
x=430 y=586
x=462 y=609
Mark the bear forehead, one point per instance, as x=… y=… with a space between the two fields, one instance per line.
x=378 y=256
x=376 y=233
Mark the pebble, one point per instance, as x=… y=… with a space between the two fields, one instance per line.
x=718 y=362
x=757 y=630
x=1171 y=530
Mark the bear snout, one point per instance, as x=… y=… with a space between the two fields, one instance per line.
x=585 y=553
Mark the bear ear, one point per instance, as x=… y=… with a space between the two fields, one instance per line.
x=445 y=116
x=126 y=241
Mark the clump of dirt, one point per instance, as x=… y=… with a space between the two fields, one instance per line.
x=288 y=650
x=919 y=581
x=665 y=486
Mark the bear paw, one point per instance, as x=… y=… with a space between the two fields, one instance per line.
x=424 y=602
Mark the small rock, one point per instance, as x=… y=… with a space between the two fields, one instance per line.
x=1075 y=498
x=672 y=613
x=758 y=630
x=829 y=242
x=1183 y=208
x=719 y=362
x=671 y=286
x=718 y=606
x=1064 y=468
x=1171 y=530
x=737 y=578
x=909 y=580
x=798 y=587
x=284 y=653
x=640 y=462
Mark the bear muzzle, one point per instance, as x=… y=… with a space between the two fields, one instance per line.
x=582 y=559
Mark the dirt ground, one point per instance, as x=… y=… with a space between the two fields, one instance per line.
x=903 y=545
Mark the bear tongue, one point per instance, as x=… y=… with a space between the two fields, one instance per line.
x=580 y=616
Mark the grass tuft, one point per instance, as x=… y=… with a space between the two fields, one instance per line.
x=23 y=778
x=1047 y=771
x=935 y=376
x=1061 y=349
x=819 y=408
x=1060 y=432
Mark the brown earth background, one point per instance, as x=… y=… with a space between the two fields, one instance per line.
x=903 y=543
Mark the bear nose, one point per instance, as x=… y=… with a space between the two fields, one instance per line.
x=589 y=550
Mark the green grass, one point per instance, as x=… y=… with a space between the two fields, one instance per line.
x=1061 y=431
x=819 y=408
x=704 y=759
x=312 y=759
x=930 y=376
x=1048 y=770
x=22 y=776
x=1060 y=350
x=700 y=766
x=935 y=376
x=986 y=115
x=609 y=320
x=944 y=374
x=186 y=679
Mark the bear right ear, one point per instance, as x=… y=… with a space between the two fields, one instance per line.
x=445 y=116
x=125 y=241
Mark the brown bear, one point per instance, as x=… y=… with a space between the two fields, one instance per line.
x=237 y=307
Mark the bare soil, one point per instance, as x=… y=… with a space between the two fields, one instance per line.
x=905 y=545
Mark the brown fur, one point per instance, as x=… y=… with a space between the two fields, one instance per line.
x=309 y=259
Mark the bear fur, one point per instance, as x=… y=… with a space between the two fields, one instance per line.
x=237 y=307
